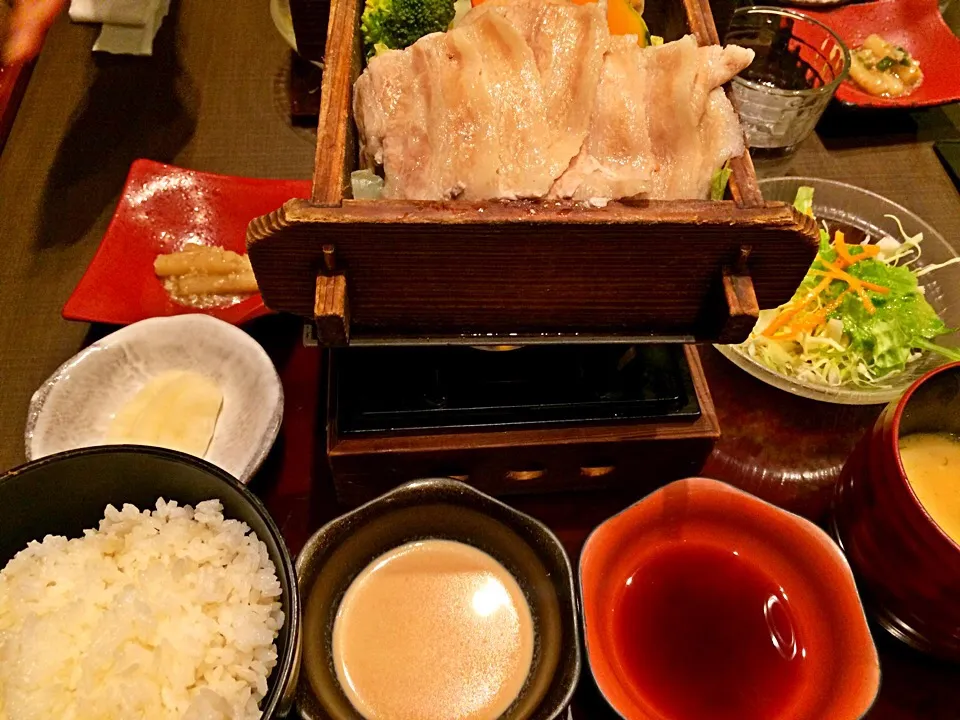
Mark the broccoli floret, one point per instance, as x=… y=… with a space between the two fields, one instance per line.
x=400 y=23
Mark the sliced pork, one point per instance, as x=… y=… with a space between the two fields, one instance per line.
x=661 y=124
x=457 y=115
x=568 y=43
x=534 y=98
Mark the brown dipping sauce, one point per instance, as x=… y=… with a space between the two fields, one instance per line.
x=704 y=633
x=433 y=630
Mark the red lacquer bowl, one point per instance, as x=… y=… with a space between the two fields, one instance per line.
x=913 y=24
x=908 y=568
x=162 y=208
x=840 y=674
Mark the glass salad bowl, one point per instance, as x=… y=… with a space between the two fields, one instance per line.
x=846 y=207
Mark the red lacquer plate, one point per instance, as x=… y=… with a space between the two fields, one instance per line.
x=162 y=208
x=912 y=24
x=13 y=83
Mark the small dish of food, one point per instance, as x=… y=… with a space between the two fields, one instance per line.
x=436 y=601
x=903 y=53
x=190 y=383
x=884 y=69
x=176 y=245
x=897 y=515
x=149 y=584
x=879 y=307
x=704 y=601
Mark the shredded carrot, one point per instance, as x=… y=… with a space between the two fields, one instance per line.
x=791 y=321
x=809 y=323
x=843 y=250
x=794 y=309
x=838 y=274
x=783 y=318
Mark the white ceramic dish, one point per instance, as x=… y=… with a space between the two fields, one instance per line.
x=74 y=407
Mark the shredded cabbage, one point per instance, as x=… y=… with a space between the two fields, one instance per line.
x=829 y=334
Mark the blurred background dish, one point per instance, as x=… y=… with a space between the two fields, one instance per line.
x=846 y=207
x=162 y=209
x=450 y=510
x=915 y=25
x=67 y=493
x=77 y=405
x=757 y=614
x=798 y=66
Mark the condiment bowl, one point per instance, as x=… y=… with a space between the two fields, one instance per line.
x=65 y=494
x=447 y=509
x=907 y=566
x=837 y=667
x=74 y=406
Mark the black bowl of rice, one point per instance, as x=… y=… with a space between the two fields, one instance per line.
x=141 y=582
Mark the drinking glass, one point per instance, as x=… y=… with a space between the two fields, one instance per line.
x=798 y=65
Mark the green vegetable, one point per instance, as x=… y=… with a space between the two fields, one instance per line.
x=400 y=23
x=885 y=64
x=833 y=335
x=718 y=183
x=804 y=201
x=903 y=319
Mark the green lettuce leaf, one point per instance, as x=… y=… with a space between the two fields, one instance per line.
x=804 y=200
x=901 y=322
x=718 y=183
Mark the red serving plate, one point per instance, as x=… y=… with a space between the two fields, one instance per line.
x=162 y=208
x=13 y=83
x=912 y=24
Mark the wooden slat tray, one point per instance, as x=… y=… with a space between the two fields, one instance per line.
x=379 y=271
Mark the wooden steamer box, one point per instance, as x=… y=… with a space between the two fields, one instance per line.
x=389 y=272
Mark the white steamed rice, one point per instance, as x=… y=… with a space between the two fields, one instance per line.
x=155 y=616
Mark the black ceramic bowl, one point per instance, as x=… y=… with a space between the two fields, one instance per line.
x=450 y=510
x=65 y=493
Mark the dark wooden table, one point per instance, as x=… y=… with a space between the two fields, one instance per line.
x=212 y=98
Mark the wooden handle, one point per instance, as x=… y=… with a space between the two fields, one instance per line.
x=742 y=307
x=331 y=310
x=525 y=475
x=596 y=471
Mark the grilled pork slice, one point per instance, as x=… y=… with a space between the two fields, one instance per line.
x=457 y=115
x=375 y=97
x=568 y=43
x=661 y=124
x=534 y=98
